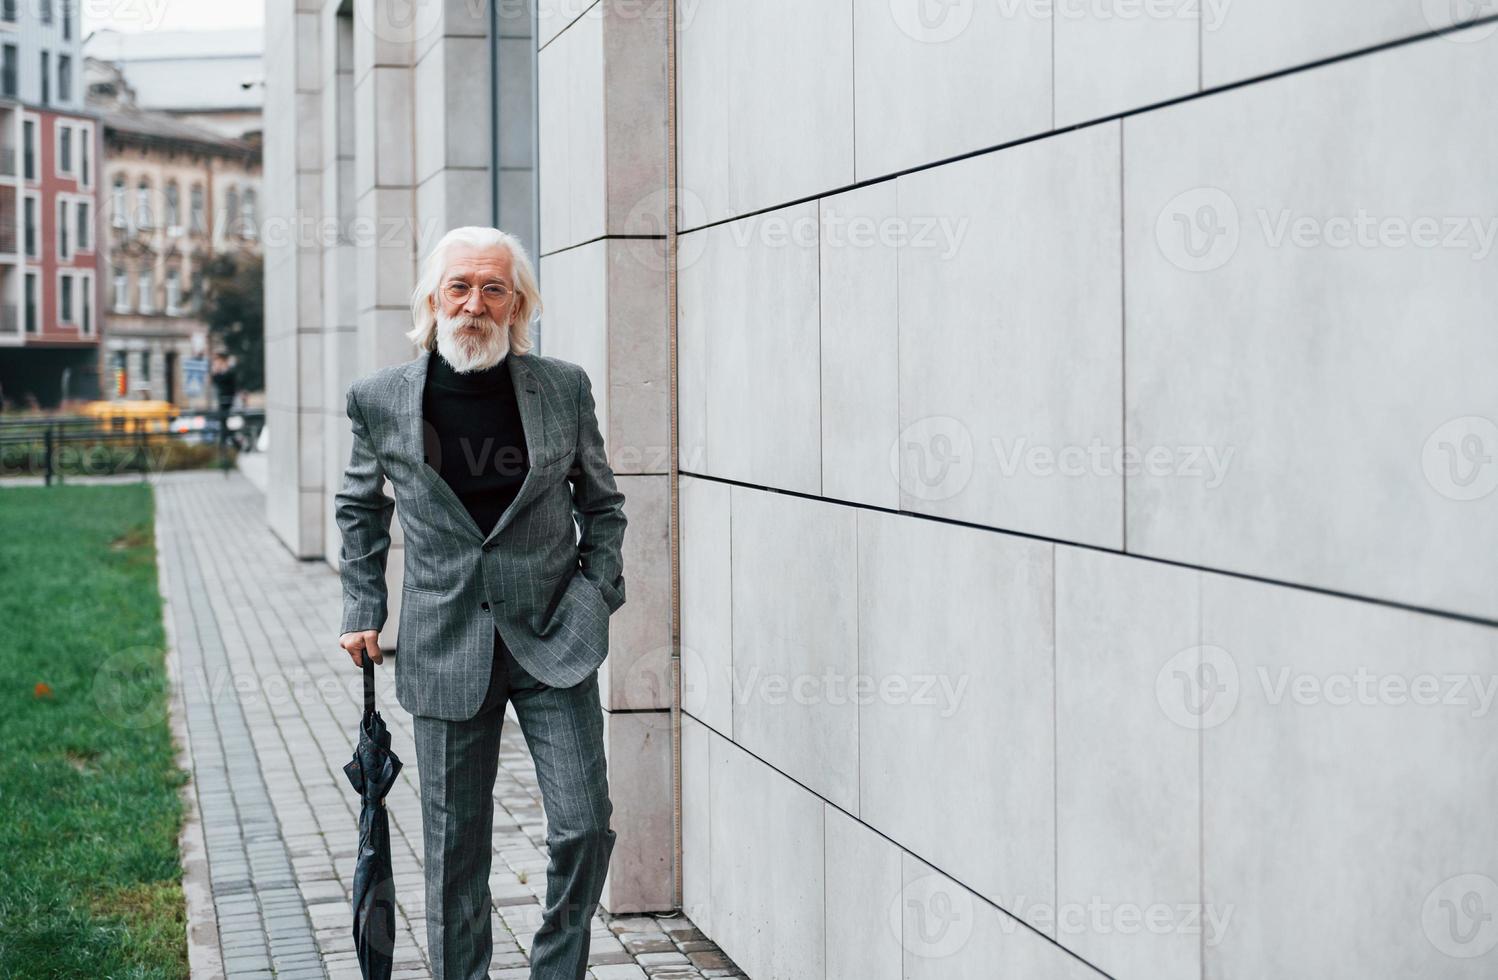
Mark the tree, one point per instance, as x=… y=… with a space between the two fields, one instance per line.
x=234 y=309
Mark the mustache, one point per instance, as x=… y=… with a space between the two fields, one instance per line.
x=465 y=322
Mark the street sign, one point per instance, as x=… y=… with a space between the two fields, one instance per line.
x=194 y=376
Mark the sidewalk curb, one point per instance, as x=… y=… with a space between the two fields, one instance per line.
x=204 y=956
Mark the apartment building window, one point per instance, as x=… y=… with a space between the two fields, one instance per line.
x=117 y=203
x=198 y=225
x=46 y=78
x=85 y=143
x=8 y=61
x=28 y=231
x=231 y=212
x=28 y=149
x=65 y=297
x=146 y=287
x=65 y=78
x=86 y=302
x=8 y=11
x=247 y=227
x=64 y=149
x=121 y=290
x=173 y=293
x=31 y=310
x=173 y=206
x=67 y=20
x=44 y=7
x=81 y=211
x=143 y=204
x=63 y=251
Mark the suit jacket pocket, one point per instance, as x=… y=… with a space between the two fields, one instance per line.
x=554 y=588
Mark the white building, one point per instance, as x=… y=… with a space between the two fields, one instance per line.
x=209 y=78
x=1081 y=489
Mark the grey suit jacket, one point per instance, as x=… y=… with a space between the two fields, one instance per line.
x=549 y=591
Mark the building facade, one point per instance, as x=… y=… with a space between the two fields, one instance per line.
x=49 y=162
x=1059 y=443
x=175 y=196
x=213 y=79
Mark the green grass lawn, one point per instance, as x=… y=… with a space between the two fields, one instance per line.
x=90 y=884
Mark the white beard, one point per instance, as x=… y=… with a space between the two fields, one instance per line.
x=469 y=352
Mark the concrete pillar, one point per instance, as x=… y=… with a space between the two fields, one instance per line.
x=602 y=118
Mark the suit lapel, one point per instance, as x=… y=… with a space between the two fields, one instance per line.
x=532 y=420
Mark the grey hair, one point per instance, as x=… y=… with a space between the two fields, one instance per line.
x=423 y=332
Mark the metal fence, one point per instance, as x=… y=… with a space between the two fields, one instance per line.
x=51 y=436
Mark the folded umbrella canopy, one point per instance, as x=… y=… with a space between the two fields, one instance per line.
x=372 y=772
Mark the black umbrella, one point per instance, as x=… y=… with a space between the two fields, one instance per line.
x=372 y=771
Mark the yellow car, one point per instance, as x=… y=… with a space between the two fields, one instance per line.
x=132 y=416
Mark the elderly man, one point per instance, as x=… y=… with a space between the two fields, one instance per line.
x=493 y=452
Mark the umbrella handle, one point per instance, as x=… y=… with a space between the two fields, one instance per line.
x=369 y=684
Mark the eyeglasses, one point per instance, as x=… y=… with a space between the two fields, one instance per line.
x=493 y=292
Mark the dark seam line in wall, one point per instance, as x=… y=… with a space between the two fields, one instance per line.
x=536 y=22
x=595 y=240
x=1123 y=338
x=1244 y=576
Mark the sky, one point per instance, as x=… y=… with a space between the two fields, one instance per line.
x=137 y=15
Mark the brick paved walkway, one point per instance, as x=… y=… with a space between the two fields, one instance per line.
x=270 y=708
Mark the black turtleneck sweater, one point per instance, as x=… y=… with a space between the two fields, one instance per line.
x=473 y=436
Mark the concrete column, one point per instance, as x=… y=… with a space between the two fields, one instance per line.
x=294 y=393
x=602 y=117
